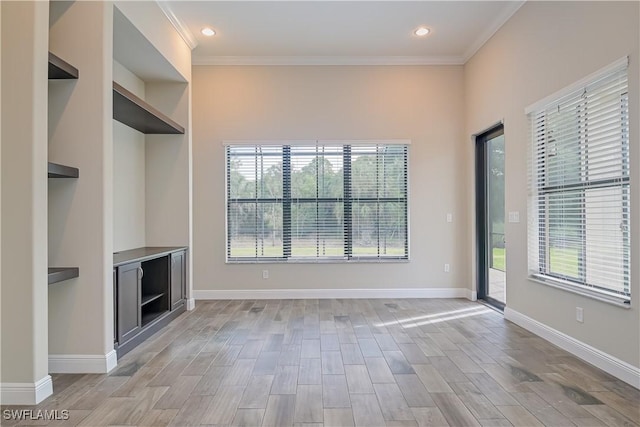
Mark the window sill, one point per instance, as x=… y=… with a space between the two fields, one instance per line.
x=318 y=261
x=600 y=296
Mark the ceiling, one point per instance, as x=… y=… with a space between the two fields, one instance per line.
x=338 y=32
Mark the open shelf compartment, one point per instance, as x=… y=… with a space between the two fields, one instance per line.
x=134 y=112
x=55 y=170
x=60 y=274
x=146 y=299
x=61 y=69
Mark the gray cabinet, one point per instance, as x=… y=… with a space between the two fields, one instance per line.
x=150 y=289
x=128 y=296
x=178 y=279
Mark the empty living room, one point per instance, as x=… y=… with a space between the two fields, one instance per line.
x=319 y=213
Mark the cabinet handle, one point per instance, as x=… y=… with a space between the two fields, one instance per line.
x=141 y=272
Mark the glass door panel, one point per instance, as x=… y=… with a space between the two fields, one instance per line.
x=490 y=214
x=495 y=218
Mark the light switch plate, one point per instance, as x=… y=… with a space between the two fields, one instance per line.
x=449 y=217
x=514 y=216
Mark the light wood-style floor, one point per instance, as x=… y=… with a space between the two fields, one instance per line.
x=401 y=362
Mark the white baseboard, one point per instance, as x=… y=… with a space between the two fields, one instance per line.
x=191 y=304
x=83 y=363
x=608 y=363
x=472 y=295
x=26 y=393
x=330 y=293
x=112 y=360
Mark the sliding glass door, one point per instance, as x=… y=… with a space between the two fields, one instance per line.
x=490 y=214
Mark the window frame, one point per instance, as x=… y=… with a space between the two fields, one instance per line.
x=540 y=191
x=287 y=200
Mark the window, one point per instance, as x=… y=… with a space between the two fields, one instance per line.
x=317 y=202
x=579 y=187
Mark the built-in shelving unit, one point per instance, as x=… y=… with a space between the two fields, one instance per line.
x=61 y=171
x=61 y=69
x=139 y=115
x=60 y=274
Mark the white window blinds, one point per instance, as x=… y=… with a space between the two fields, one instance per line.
x=579 y=187
x=312 y=202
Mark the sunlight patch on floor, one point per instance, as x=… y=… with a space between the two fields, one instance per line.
x=443 y=316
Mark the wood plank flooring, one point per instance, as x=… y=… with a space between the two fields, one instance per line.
x=401 y=362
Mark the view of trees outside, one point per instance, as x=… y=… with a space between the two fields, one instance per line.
x=317 y=188
x=580 y=182
x=563 y=166
x=257 y=182
x=579 y=217
x=379 y=226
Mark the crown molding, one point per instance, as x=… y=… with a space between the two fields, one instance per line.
x=192 y=42
x=502 y=18
x=181 y=28
x=327 y=60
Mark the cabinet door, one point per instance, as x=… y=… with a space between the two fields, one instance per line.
x=178 y=279
x=129 y=281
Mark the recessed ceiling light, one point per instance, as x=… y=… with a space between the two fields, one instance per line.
x=208 y=32
x=422 y=31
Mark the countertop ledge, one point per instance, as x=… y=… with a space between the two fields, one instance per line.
x=143 y=254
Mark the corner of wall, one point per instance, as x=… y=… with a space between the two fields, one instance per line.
x=26 y=393
x=608 y=363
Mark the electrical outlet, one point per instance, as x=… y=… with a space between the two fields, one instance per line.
x=449 y=217
x=580 y=314
x=265 y=274
x=447 y=268
x=514 y=216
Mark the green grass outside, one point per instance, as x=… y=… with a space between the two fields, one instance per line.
x=564 y=261
x=498 y=259
x=276 y=251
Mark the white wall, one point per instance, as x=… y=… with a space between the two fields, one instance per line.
x=81 y=211
x=0 y=176
x=544 y=47
x=129 y=187
x=420 y=103
x=168 y=170
x=24 y=201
